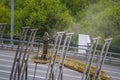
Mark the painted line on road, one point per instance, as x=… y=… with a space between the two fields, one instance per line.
x=9 y=56
x=4 y=71
x=7 y=52
x=114 y=78
x=112 y=72
x=5 y=60
x=67 y=75
x=73 y=76
x=29 y=75
x=44 y=77
x=37 y=76
x=33 y=64
x=46 y=66
x=7 y=66
x=30 y=69
x=4 y=78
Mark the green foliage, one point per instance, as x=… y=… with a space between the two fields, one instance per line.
x=93 y=17
x=101 y=19
x=44 y=15
x=6 y=3
x=57 y=15
x=75 y=5
x=116 y=41
x=5 y=16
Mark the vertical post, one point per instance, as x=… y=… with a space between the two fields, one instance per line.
x=12 y=22
x=59 y=70
x=102 y=58
x=2 y=29
x=90 y=57
x=50 y=70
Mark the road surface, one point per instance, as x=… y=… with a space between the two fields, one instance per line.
x=7 y=57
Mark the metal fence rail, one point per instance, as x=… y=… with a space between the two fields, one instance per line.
x=73 y=50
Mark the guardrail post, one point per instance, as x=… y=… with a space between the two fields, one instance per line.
x=110 y=56
x=2 y=29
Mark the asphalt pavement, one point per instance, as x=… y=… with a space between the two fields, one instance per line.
x=7 y=57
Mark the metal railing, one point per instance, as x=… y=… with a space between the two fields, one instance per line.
x=73 y=50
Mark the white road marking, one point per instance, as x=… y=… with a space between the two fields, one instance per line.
x=44 y=77
x=30 y=69
x=44 y=66
x=66 y=75
x=37 y=77
x=112 y=72
x=33 y=64
x=5 y=60
x=118 y=78
x=4 y=78
x=28 y=75
x=4 y=71
x=9 y=56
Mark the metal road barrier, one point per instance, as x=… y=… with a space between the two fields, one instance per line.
x=61 y=59
x=86 y=73
x=79 y=66
x=102 y=58
x=20 y=65
x=50 y=71
x=73 y=50
x=57 y=74
x=42 y=51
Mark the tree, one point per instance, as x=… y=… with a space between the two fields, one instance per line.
x=5 y=17
x=75 y=5
x=101 y=19
x=44 y=15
